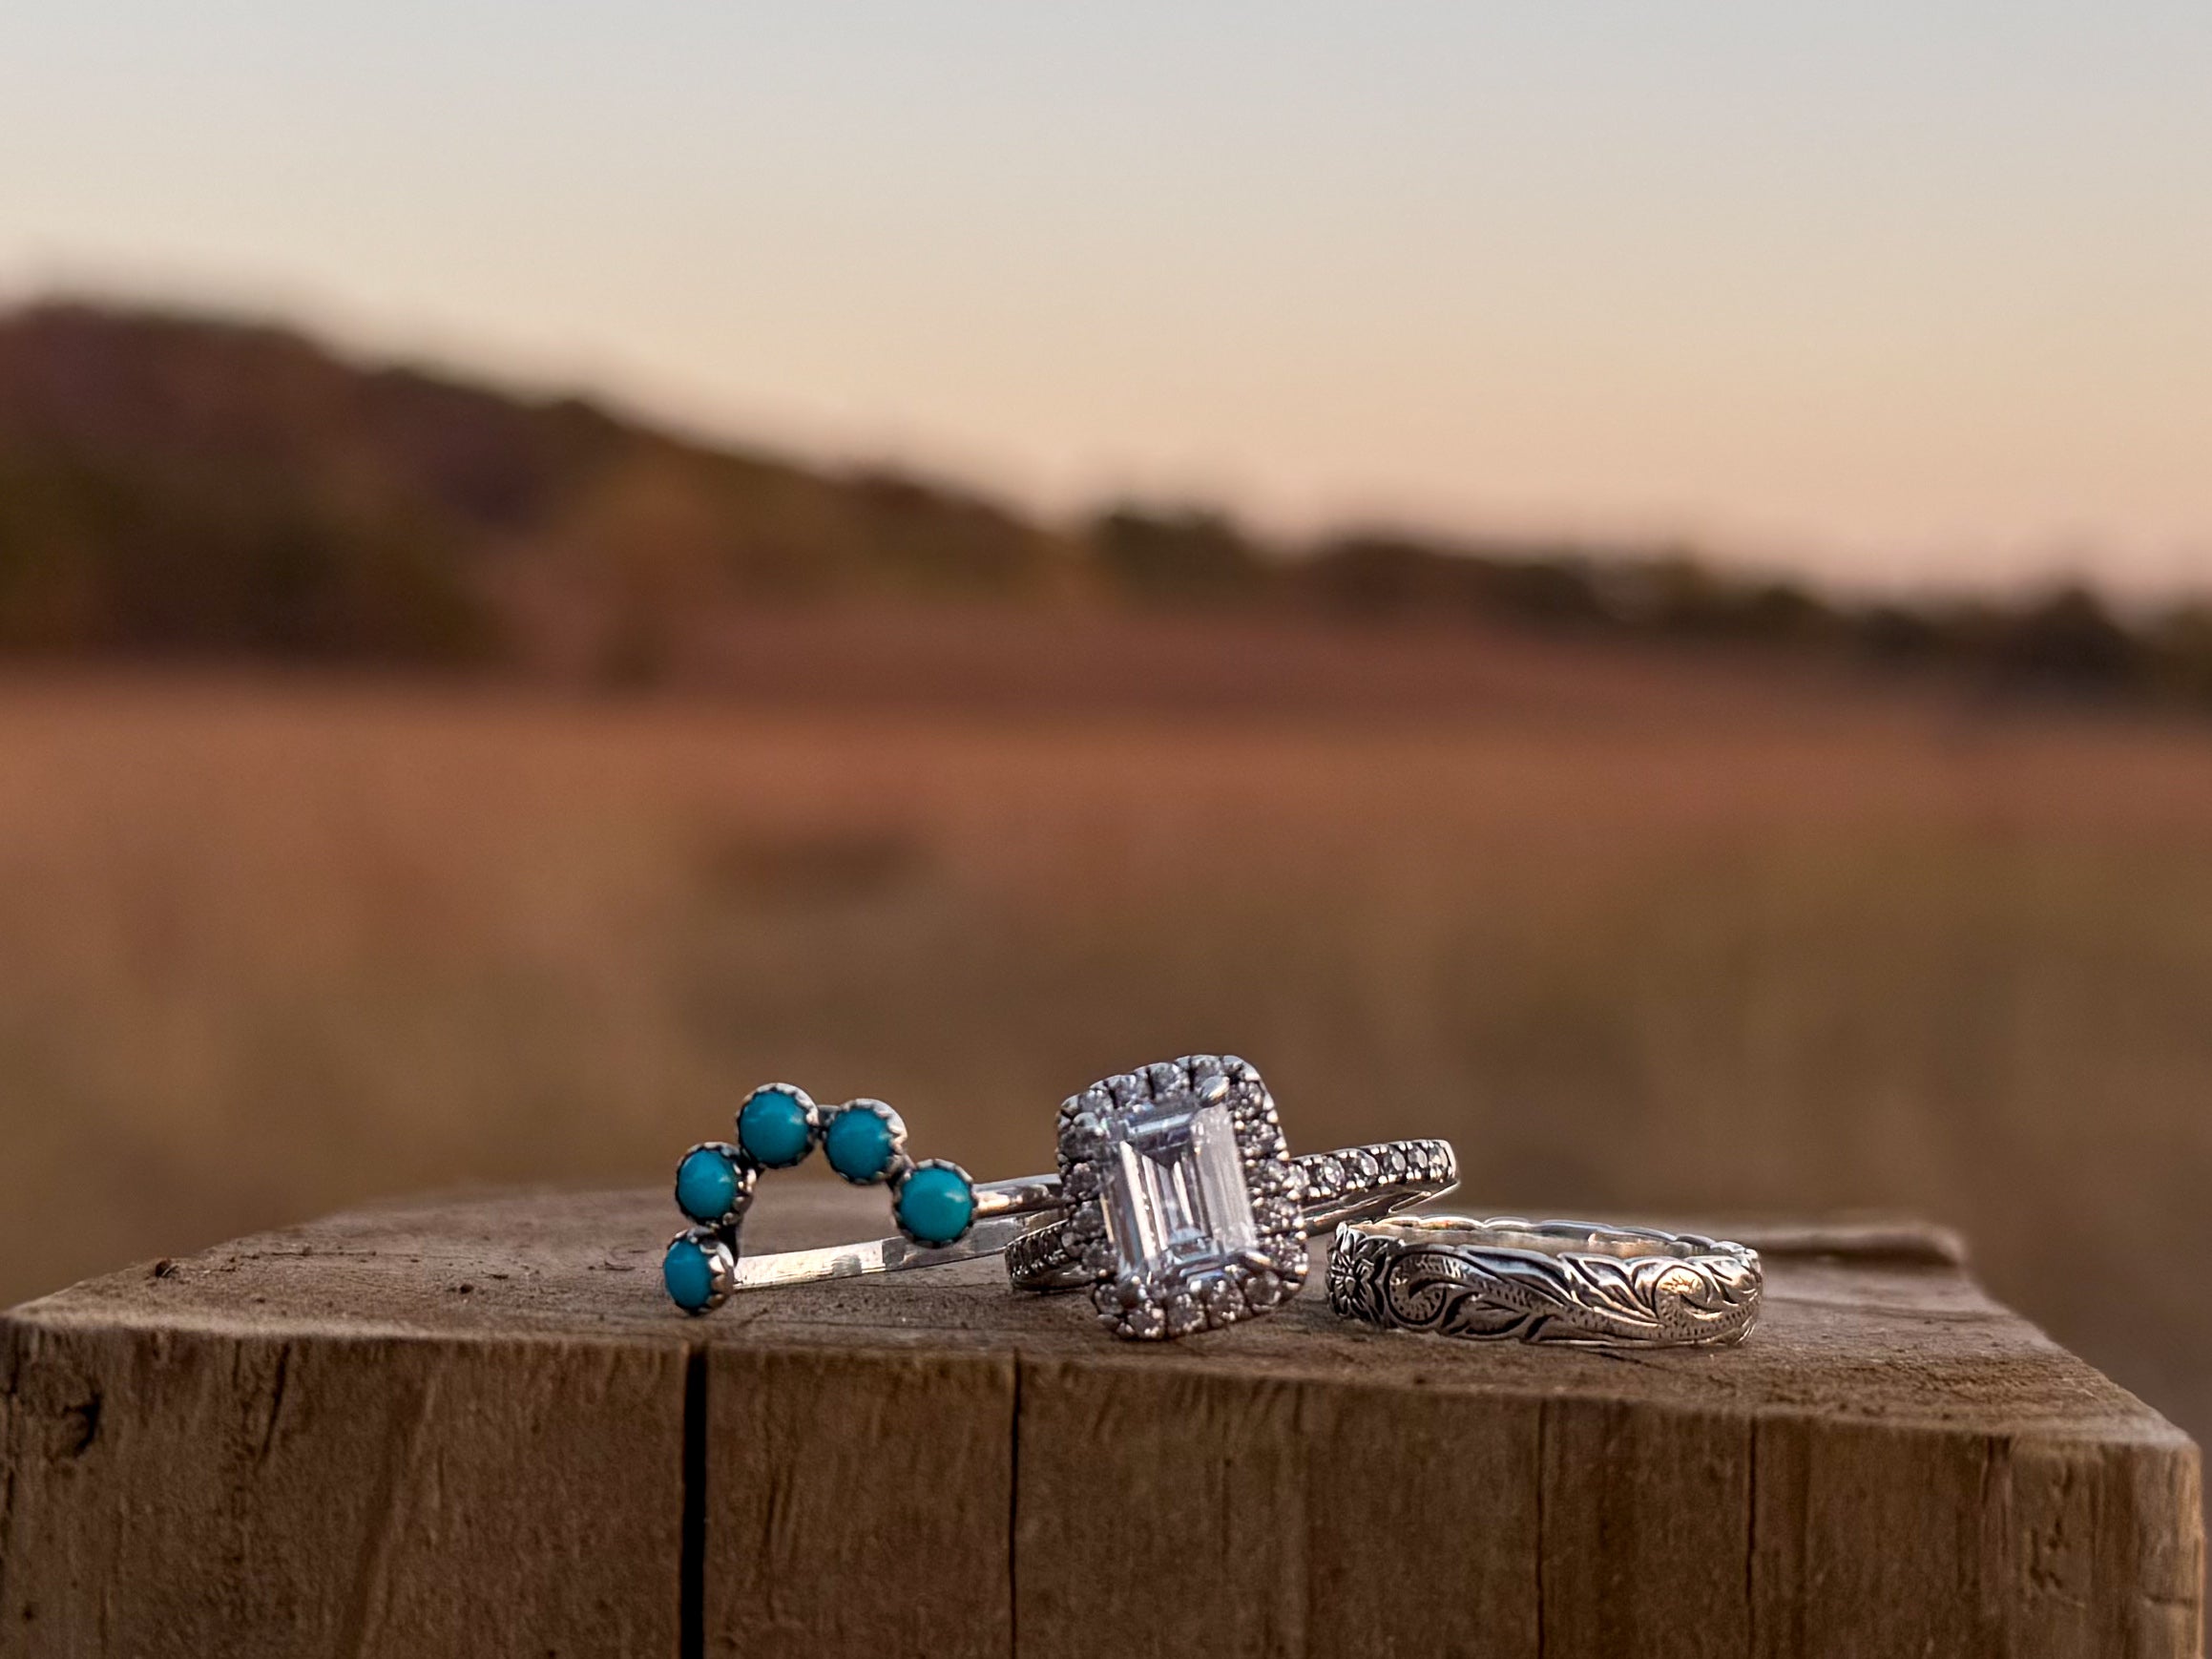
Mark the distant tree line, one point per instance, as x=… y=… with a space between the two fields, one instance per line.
x=176 y=485
x=2064 y=638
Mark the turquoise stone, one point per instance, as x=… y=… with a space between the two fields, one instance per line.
x=936 y=1204
x=706 y=1185
x=772 y=1128
x=858 y=1144
x=688 y=1271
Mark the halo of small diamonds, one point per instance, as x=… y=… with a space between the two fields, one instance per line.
x=1154 y=1298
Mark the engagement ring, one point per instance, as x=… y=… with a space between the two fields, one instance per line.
x=1186 y=1210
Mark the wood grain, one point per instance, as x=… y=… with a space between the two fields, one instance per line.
x=471 y=1425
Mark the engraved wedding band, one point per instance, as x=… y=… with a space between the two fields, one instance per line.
x=1545 y=1281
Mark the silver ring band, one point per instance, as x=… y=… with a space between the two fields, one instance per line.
x=1358 y=1184
x=1003 y=1212
x=1546 y=1281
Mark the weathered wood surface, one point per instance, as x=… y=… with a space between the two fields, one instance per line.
x=472 y=1426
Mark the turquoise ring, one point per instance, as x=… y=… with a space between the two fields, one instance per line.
x=942 y=1214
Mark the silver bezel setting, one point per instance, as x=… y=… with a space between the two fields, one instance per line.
x=898 y=1183
x=748 y=1177
x=1159 y=1305
x=721 y=1259
x=895 y=1168
x=816 y=1121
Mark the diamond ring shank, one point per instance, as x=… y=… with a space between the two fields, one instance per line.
x=1567 y=1282
x=1357 y=1183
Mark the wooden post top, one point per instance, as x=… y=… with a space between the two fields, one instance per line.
x=1875 y=1322
x=1892 y=1461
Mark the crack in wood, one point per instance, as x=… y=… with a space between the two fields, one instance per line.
x=1751 y=1537
x=690 y=1567
x=1543 y=1481
x=277 y=1387
x=368 y=1603
x=1013 y=1512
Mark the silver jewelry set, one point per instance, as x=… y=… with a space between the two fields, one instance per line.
x=1178 y=1206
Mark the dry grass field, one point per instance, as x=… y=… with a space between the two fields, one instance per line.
x=1641 y=935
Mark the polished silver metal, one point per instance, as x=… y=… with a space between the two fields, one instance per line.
x=1355 y=1183
x=1002 y=1212
x=880 y=1255
x=1186 y=1212
x=1024 y=1195
x=1568 y=1282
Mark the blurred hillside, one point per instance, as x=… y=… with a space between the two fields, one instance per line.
x=178 y=486
x=173 y=485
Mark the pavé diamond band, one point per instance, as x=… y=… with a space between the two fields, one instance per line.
x=1356 y=1184
x=1185 y=1209
x=1545 y=1281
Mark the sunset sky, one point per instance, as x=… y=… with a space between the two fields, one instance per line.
x=1899 y=292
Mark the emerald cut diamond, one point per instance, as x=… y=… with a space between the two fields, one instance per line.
x=1184 y=1208
x=1177 y=1202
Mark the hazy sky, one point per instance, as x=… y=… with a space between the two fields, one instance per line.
x=1897 y=289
